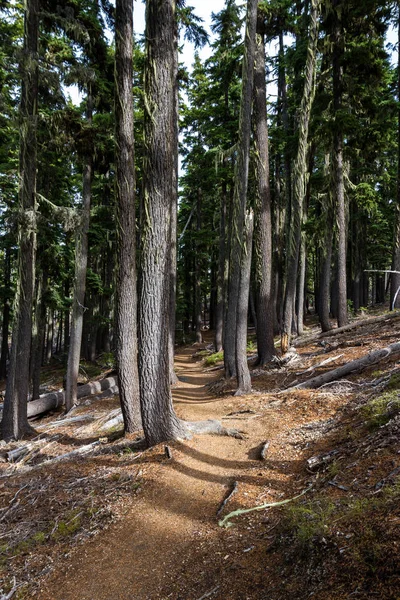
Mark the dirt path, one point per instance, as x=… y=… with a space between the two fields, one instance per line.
x=150 y=553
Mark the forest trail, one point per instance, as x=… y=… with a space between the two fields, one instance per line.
x=151 y=552
x=122 y=525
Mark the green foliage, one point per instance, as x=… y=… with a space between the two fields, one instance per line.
x=380 y=410
x=213 y=359
x=309 y=522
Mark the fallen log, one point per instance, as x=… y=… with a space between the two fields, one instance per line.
x=352 y=367
x=304 y=341
x=54 y=400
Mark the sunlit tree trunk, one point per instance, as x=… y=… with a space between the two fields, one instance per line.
x=263 y=227
x=126 y=297
x=160 y=422
x=240 y=193
x=300 y=179
x=81 y=258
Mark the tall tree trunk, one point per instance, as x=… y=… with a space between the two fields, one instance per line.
x=395 y=277
x=243 y=373
x=6 y=314
x=126 y=294
x=198 y=302
x=219 y=308
x=240 y=193
x=263 y=226
x=300 y=179
x=15 y=420
x=301 y=286
x=81 y=258
x=337 y=159
x=160 y=422
x=174 y=224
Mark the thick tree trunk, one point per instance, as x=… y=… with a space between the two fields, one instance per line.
x=160 y=422
x=15 y=421
x=263 y=226
x=242 y=366
x=240 y=193
x=174 y=223
x=81 y=258
x=300 y=179
x=126 y=297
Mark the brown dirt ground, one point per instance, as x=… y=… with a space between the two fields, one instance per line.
x=140 y=526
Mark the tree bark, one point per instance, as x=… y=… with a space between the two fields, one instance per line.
x=126 y=296
x=6 y=314
x=160 y=422
x=242 y=366
x=38 y=337
x=324 y=292
x=174 y=223
x=300 y=179
x=338 y=165
x=263 y=226
x=81 y=258
x=219 y=308
x=301 y=286
x=240 y=192
x=15 y=421
x=197 y=292
x=395 y=278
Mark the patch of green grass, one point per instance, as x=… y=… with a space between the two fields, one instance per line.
x=213 y=359
x=379 y=411
x=394 y=382
x=309 y=521
x=67 y=527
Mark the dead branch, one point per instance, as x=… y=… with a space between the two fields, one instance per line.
x=304 y=341
x=321 y=364
x=227 y=498
x=10 y=593
x=355 y=366
x=210 y=593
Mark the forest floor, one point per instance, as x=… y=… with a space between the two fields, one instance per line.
x=117 y=524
